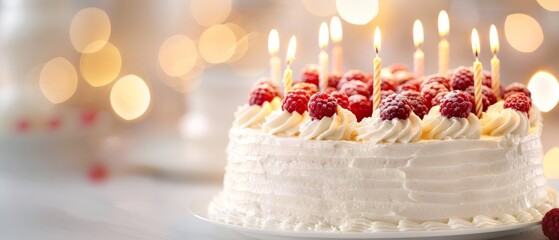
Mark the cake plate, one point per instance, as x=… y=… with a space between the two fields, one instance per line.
x=200 y=210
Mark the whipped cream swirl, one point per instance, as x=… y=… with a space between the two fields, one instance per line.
x=338 y=127
x=253 y=116
x=535 y=116
x=436 y=126
x=500 y=121
x=376 y=130
x=284 y=123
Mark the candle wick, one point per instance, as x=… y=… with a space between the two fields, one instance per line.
x=376 y=51
x=477 y=54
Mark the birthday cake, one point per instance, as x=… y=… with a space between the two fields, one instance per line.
x=423 y=160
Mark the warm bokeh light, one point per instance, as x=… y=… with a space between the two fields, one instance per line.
x=323 y=35
x=130 y=97
x=291 y=49
x=178 y=55
x=551 y=163
x=320 y=8
x=336 y=32
x=358 y=12
x=88 y=26
x=523 y=32
x=58 y=80
x=550 y=5
x=210 y=12
x=376 y=41
x=494 y=39
x=273 y=42
x=545 y=90
x=417 y=33
x=443 y=24
x=244 y=40
x=475 y=43
x=101 y=67
x=217 y=44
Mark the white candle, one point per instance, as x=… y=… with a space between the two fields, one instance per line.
x=288 y=73
x=376 y=69
x=275 y=62
x=337 y=52
x=418 y=56
x=444 y=46
x=478 y=74
x=323 y=57
x=495 y=63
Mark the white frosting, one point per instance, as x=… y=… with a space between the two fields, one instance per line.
x=436 y=126
x=500 y=121
x=283 y=123
x=253 y=116
x=336 y=128
x=535 y=116
x=376 y=130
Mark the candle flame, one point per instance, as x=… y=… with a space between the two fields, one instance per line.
x=494 y=39
x=273 y=42
x=323 y=35
x=475 y=43
x=336 y=30
x=291 y=49
x=377 y=40
x=443 y=24
x=417 y=33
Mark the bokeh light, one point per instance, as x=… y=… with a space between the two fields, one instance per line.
x=523 y=32
x=550 y=5
x=217 y=44
x=101 y=67
x=88 y=26
x=320 y=8
x=58 y=80
x=210 y=12
x=357 y=12
x=243 y=40
x=545 y=90
x=130 y=97
x=178 y=55
x=551 y=163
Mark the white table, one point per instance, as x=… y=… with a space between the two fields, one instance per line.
x=124 y=207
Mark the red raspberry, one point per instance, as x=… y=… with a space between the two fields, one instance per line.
x=487 y=93
x=436 y=101
x=408 y=86
x=484 y=101
x=437 y=79
x=296 y=100
x=261 y=94
x=418 y=104
x=330 y=90
x=550 y=224
x=384 y=94
x=353 y=75
x=360 y=106
x=334 y=80
x=267 y=83
x=462 y=79
x=486 y=81
x=517 y=87
x=385 y=85
x=309 y=87
x=456 y=104
x=519 y=102
x=355 y=87
x=322 y=105
x=310 y=74
x=431 y=90
x=342 y=99
x=395 y=106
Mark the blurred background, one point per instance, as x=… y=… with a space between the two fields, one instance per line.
x=92 y=89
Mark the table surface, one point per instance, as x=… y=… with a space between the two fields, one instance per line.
x=124 y=207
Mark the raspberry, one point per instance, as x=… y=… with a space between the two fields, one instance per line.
x=261 y=94
x=296 y=100
x=487 y=93
x=360 y=106
x=517 y=87
x=267 y=83
x=309 y=87
x=438 y=79
x=385 y=93
x=550 y=224
x=322 y=105
x=436 y=101
x=334 y=80
x=355 y=87
x=519 y=102
x=462 y=79
x=484 y=101
x=385 y=85
x=409 y=85
x=309 y=74
x=341 y=98
x=486 y=81
x=431 y=90
x=395 y=106
x=352 y=75
x=418 y=104
x=456 y=104
x=330 y=90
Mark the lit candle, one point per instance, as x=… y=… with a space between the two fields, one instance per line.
x=337 y=51
x=418 y=56
x=377 y=68
x=444 y=46
x=323 y=57
x=287 y=75
x=495 y=63
x=478 y=73
x=275 y=62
